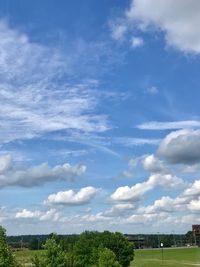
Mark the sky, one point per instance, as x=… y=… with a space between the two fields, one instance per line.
x=99 y=116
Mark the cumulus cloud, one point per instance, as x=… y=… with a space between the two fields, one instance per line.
x=180 y=210
x=71 y=197
x=194 y=205
x=181 y=146
x=165 y=204
x=51 y=214
x=152 y=164
x=37 y=175
x=140 y=219
x=178 y=20
x=193 y=190
x=136 y=192
x=187 y=201
x=27 y=214
x=119 y=210
x=171 y=125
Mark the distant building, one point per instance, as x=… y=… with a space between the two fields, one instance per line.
x=196 y=229
x=137 y=240
x=196 y=233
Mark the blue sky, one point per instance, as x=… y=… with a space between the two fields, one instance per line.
x=99 y=117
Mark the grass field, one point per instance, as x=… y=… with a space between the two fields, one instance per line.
x=24 y=256
x=188 y=257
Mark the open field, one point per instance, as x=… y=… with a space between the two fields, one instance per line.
x=24 y=256
x=188 y=257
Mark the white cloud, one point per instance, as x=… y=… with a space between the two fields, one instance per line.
x=179 y=211
x=190 y=168
x=165 y=204
x=70 y=197
x=131 y=141
x=119 y=210
x=5 y=162
x=51 y=215
x=136 y=192
x=172 y=125
x=27 y=214
x=193 y=190
x=189 y=219
x=36 y=175
x=181 y=146
x=178 y=20
x=136 y=42
x=187 y=201
x=92 y=218
x=152 y=164
x=194 y=205
x=36 y=95
x=118 y=31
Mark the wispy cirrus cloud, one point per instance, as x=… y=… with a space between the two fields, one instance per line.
x=169 y=125
x=36 y=93
x=134 y=141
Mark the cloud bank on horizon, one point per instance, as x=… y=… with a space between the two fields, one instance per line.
x=100 y=124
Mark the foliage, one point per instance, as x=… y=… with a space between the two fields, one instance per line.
x=107 y=259
x=6 y=257
x=37 y=262
x=86 y=249
x=90 y=249
x=54 y=256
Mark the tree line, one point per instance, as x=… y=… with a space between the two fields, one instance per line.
x=35 y=242
x=89 y=249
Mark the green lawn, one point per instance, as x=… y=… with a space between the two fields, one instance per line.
x=187 y=257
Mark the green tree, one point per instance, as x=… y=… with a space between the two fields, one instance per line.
x=120 y=245
x=86 y=249
x=107 y=258
x=6 y=257
x=54 y=256
x=90 y=249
